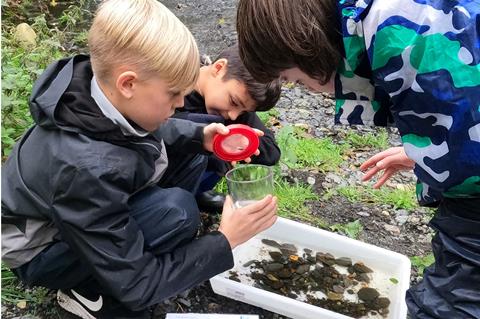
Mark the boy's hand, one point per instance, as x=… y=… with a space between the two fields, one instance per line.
x=210 y=131
x=257 y=152
x=241 y=224
x=390 y=161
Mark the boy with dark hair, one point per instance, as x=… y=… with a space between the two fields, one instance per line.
x=91 y=203
x=227 y=93
x=415 y=64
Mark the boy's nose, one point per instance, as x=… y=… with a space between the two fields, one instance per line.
x=179 y=102
x=233 y=115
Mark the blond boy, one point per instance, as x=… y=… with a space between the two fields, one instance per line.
x=92 y=205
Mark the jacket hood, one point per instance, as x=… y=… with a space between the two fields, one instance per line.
x=61 y=99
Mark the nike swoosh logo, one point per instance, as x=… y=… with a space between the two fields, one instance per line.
x=92 y=305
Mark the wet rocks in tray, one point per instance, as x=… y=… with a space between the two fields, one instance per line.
x=234 y=276
x=291 y=274
x=368 y=294
x=343 y=261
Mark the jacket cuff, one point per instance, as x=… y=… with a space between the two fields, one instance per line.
x=223 y=256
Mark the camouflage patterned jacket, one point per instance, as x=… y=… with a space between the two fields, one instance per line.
x=415 y=64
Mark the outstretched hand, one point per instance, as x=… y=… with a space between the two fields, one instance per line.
x=389 y=161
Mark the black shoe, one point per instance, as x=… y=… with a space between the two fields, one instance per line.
x=95 y=306
x=211 y=201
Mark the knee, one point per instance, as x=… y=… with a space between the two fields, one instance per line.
x=182 y=204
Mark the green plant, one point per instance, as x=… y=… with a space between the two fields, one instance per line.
x=422 y=262
x=378 y=140
x=20 y=67
x=352 y=229
x=12 y=292
x=300 y=150
x=398 y=198
x=291 y=202
x=221 y=186
x=268 y=116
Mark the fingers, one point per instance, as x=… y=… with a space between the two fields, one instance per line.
x=257 y=152
x=399 y=159
x=386 y=175
x=218 y=128
x=259 y=132
x=228 y=204
x=258 y=205
x=370 y=173
x=378 y=157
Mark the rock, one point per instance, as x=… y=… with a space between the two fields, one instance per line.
x=334 y=296
x=401 y=216
x=273 y=267
x=360 y=268
x=22 y=304
x=364 y=277
x=270 y=242
x=311 y=180
x=213 y=307
x=184 y=302
x=364 y=214
x=25 y=35
x=276 y=256
x=302 y=269
x=380 y=303
x=344 y=261
x=338 y=289
x=327 y=259
x=333 y=178
x=392 y=229
x=368 y=294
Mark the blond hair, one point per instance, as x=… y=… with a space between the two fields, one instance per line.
x=146 y=35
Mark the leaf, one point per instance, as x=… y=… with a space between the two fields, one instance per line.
x=394 y=280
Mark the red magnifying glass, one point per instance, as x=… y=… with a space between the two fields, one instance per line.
x=240 y=143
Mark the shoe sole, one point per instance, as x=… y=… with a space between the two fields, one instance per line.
x=72 y=306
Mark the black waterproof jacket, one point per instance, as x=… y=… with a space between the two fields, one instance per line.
x=69 y=178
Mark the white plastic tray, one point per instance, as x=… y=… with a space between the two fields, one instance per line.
x=382 y=261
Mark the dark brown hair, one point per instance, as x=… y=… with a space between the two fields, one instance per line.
x=275 y=35
x=265 y=95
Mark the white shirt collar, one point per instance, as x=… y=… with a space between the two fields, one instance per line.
x=111 y=111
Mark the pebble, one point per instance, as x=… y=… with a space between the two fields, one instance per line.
x=392 y=229
x=364 y=214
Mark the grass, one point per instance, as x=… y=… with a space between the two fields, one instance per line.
x=12 y=293
x=268 y=116
x=22 y=65
x=422 y=262
x=352 y=229
x=302 y=151
x=377 y=140
x=292 y=198
x=398 y=198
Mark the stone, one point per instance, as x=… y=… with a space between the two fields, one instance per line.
x=25 y=34
x=392 y=229
x=344 y=261
x=368 y=294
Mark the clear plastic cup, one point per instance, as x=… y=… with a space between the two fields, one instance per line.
x=249 y=183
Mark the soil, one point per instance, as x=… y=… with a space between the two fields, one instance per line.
x=212 y=22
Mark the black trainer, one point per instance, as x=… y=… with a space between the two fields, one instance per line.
x=95 y=306
x=210 y=201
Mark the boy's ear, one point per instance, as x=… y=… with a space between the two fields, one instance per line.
x=126 y=82
x=219 y=67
